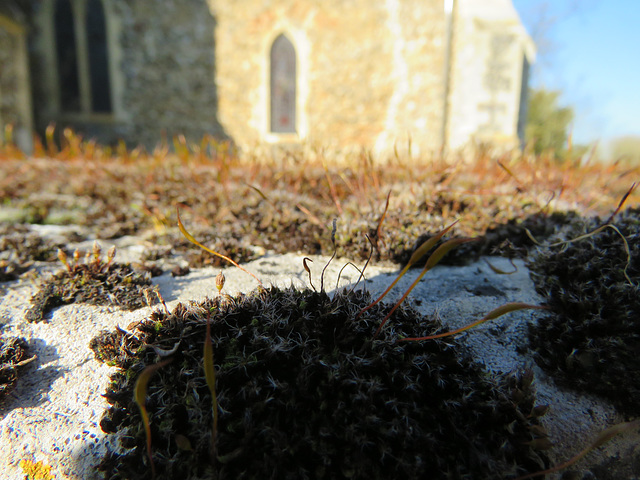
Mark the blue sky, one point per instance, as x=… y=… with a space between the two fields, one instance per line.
x=589 y=50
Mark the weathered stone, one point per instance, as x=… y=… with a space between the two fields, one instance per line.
x=377 y=75
x=15 y=101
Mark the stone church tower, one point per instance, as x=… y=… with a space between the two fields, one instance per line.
x=331 y=73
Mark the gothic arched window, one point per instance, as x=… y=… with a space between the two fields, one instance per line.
x=283 y=86
x=67 y=52
x=98 y=57
x=82 y=55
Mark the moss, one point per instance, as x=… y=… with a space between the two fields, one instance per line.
x=95 y=282
x=13 y=356
x=308 y=393
x=592 y=339
x=19 y=249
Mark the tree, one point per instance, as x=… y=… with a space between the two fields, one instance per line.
x=547 y=123
x=626 y=149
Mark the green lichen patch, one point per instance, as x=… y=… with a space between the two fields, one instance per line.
x=592 y=339
x=13 y=356
x=94 y=281
x=305 y=391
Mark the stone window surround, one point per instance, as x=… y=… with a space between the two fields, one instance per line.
x=23 y=131
x=282 y=72
x=301 y=46
x=46 y=23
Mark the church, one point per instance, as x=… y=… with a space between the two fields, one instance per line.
x=343 y=74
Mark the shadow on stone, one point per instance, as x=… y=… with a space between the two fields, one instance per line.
x=34 y=380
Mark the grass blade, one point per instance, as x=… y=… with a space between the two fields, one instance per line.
x=415 y=257
x=603 y=438
x=210 y=376
x=428 y=245
x=432 y=261
x=443 y=249
x=511 y=174
x=259 y=192
x=140 y=395
x=332 y=188
x=335 y=250
x=306 y=267
x=376 y=239
x=492 y=315
x=621 y=203
x=312 y=218
x=498 y=271
x=361 y=272
x=379 y=227
x=189 y=237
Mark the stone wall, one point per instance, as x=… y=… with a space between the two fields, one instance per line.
x=8 y=79
x=488 y=90
x=15 y=105
x=162 y=73
x=369 y=73
x=168 y=66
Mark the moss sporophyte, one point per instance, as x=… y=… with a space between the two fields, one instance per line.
x=308 y=385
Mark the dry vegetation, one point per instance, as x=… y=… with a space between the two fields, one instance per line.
x=286 y=201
